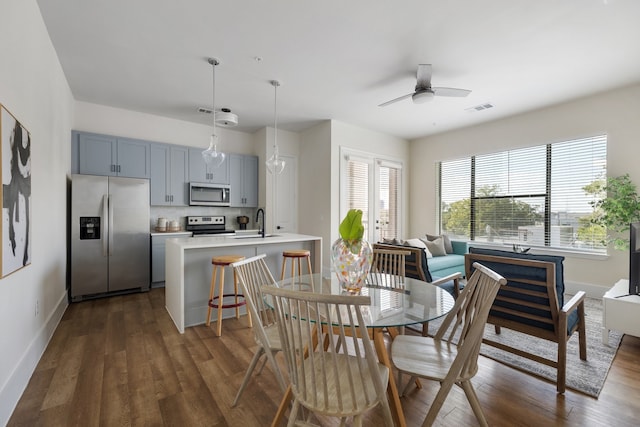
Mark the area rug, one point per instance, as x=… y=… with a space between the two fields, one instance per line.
x=584 y=376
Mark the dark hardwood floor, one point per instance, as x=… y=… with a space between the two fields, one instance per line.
x=120 y=361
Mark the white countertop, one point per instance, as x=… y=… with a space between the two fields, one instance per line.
x=180 y=233
x=226 y=241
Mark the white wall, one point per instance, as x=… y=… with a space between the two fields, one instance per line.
x=34 y=89
x=319 y=209
x=614 y=113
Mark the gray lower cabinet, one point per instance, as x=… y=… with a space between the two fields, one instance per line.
x=107 y=155
x=158 y=255
x=243 y=180
x=199 y=171
x=169 y=175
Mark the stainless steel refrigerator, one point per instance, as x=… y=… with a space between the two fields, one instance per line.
x=109 y=235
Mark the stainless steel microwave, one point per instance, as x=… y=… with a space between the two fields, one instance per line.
x=205 y=194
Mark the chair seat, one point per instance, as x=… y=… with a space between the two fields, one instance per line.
x=423 y=356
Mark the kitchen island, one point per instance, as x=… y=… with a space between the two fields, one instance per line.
x=188 y=269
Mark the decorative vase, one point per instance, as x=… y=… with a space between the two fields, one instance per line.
x=351 y=261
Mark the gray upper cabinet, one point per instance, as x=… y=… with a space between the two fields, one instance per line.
x=199 y=171
x=243 y=180
x=169 y=175
x=111 y=156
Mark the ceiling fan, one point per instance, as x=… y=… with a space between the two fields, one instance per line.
x=424 y=91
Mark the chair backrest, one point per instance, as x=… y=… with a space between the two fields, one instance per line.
x=388 y=267
x=324 y=377
x=464 y=324
x=253 y=274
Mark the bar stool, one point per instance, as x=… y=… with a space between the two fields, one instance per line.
x=293 y=255
x=217 y=301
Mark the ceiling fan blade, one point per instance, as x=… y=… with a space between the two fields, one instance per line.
x=384 y=104
x=450 y=91
x=423 y=76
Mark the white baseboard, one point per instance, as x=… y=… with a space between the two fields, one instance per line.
x=17 y=382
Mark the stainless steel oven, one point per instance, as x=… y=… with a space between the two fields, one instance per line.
x=205 y=194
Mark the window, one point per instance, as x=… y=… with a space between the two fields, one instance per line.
x=535 y=196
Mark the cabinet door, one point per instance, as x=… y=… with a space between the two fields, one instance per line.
x=97 y=154
x=236 y=171
x=197 y=166
x=159 y=174
x=199 y=171
x=133 y=158
x=250 y=182
x=179 y=179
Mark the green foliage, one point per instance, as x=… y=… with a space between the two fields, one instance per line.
x=618 y=205
x=499 y=213
x=351 y=227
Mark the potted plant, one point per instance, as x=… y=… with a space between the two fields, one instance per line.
x=617 y=207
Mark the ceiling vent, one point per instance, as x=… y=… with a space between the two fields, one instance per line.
x=480 y=107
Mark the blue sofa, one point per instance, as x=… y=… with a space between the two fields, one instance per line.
x=419 y=267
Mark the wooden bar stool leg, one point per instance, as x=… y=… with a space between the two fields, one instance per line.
x=211 y=292
x=309 y=267
x=284 y=264
x=220 y=300
x=235 y=291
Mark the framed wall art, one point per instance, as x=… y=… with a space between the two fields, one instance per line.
x=15 y=232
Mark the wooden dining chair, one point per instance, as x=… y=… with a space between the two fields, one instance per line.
x=326 y=381
x=388 y=267
x=451 y=356
x=253 y=274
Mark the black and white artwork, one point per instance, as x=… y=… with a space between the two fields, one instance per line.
x=16 y=193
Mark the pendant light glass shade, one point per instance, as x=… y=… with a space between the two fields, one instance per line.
x=211 y=155
x=275 y=164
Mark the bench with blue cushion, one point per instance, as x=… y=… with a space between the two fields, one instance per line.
x=532 y=303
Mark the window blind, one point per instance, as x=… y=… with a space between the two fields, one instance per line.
x=534 y=196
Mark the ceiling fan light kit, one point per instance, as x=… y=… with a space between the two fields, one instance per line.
x=424 y=91
x=211 y=155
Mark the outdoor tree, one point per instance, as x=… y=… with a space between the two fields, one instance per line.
x=493 y=214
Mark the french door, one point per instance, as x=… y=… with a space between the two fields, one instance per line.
x=373 y=185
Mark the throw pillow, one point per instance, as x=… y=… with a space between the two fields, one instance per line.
x=436 y=247
x=393 y=241
x=419 y=243
x=447 y=242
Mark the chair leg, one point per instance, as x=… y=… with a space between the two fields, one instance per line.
x=472 y=397
x=284 y=263
x=562 y=364
x=294 y=413
x=254 y=361
x=582 y=333
x=445 y=388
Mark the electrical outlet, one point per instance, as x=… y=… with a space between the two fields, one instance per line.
x=37 y=308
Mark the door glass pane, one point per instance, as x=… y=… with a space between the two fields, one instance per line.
x=358 y=189
x=388 y=203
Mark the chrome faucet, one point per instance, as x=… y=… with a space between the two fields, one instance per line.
x=258 y=218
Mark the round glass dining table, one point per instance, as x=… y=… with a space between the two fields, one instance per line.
x=414 y=302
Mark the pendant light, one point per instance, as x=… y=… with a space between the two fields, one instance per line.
x=211 y=155
x=275 y=164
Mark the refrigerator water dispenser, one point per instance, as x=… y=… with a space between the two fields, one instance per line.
x=89 y=227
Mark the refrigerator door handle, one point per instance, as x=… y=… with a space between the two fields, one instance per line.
x=105 y=232
x=110 y=226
